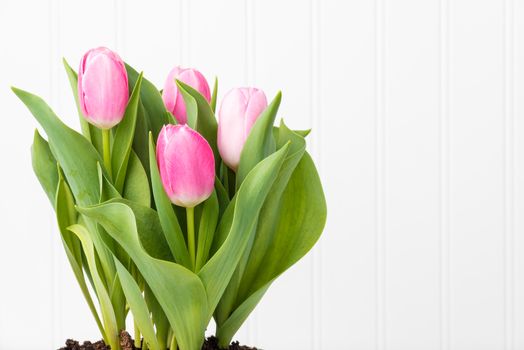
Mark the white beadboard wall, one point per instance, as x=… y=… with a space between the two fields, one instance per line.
x=417 y=112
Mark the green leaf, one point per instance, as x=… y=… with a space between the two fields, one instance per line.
x=191 y=107
x=66 y=216
x=91 y=132
x=260 y=142
x=138 y=306
x=123 y=138
x=299 y=225
x=44 y=166
x=178 y=290
x=159 y=318
x=217 y=272
x=141 y=139
x=108 y=315
x=76 y=155
x=107 y=190
x=271 y=211
x=206 y=123
x=151 y=100
x=206 y=230
x=213 y=102
x=168 y=219
x=229 y=328
x=265 y=230
x=223 y=197
x=303 y=215
x=136 y=186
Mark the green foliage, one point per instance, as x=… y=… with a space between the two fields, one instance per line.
x=124 y=234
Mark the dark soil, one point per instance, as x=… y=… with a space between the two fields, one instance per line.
x=126 y=342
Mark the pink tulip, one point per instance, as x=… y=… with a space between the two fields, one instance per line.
x=173 y=99
x=186 y=164
x=238 y=112
x=102 y=87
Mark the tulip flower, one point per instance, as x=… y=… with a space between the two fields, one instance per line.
x=238 y=112
x=173 y=99
x=187 y=169
x=103 y=92
x=102 y=87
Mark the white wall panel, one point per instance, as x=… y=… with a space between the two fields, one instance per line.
x=347 y=120
x=417 y=133
x=476 y=170
x=411 y=113
x=26 y=285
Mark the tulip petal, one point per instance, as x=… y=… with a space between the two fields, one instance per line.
x=186 y=164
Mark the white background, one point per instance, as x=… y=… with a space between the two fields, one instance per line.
x=417 y=115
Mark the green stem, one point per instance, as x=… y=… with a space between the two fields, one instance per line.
x=173 y=345
x=107 y=150
x=190 y=212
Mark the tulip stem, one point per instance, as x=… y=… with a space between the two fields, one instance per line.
x=107 y=151
x=190 y=213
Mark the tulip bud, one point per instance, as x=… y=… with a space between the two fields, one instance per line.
x=173 y=99
x=239 y=110
x=102 y=87
x=186 y=164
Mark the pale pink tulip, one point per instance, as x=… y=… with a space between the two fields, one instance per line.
x=102 y=87
x=173 y=99
x=186 y=164
x=239 y=110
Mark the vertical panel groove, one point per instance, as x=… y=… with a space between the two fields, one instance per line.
x=380 y=174
x=444 y=165
x=316 y=269
x=509 y=173
x=249 y=80
x=56 y=325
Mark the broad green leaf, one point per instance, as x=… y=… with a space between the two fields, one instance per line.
x=151 y=100
x=206 y=123
x=123 y=138
x=302 y=219
x=91 y=132
x=76 y=155
x=108 y=315
x=206 y=229
x=66 y=216
x=177 y=289
x=260 y=142
x=44 y=166
x=271 y=211
x=136 y=186
x=149 y=230
x=213 y=102
x=166 y=214
x=249 y=199
x=138 y=306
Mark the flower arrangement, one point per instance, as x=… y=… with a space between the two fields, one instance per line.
x=166 y=213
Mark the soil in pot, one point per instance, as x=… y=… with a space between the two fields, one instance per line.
x=127 y=343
